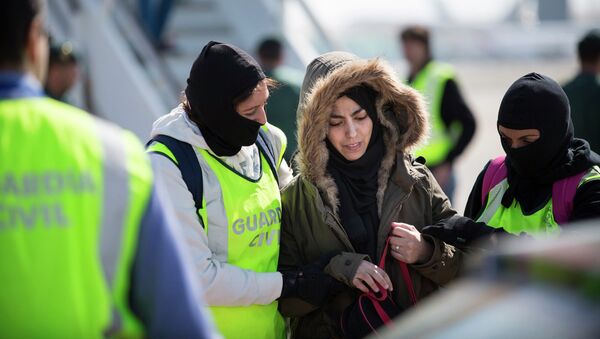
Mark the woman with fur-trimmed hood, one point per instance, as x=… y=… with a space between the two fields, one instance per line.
x=358 y=183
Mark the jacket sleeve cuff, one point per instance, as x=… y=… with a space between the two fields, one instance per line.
x=443 y=265
x=343 y=266
x=270 y=285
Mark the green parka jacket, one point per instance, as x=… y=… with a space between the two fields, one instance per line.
x=407 y=193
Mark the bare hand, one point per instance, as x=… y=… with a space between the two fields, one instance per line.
x=369 y=275
x=407 y=244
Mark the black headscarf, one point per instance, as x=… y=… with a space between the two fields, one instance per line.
x=357 y=180
x=220 y=74
x=537 y=102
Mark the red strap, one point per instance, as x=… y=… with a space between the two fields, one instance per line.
x=494 y=173
x=409 y=283
x=405 y=273
x=381 y=312
x=362 y=311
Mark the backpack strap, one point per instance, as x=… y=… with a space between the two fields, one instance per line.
x=266 y=147
x=494 y=174
x=563 y=194
x=186 y=160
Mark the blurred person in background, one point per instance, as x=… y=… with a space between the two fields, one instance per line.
x=63 y=71
x=154 y=15
x=87 y=248
x=451 y=120
x=223 y=165
x=547 y=178
x=358 y=184
x=584 y=90
x=283 y=101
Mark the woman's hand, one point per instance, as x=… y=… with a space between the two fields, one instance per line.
x=407 y=244
x=368 y=276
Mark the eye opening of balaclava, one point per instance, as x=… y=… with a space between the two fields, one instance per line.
x=220 y=74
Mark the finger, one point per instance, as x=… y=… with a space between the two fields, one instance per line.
x=402 y=225
x=394 y=240
x=404 y=242
x=398 y=244
x=387 y=279
x=405 y=249
x=401 y=230
x=360 y=285
x=368 y=280
x=378 y=276
x=398 y=256
x=401 y=244
x=406 y=252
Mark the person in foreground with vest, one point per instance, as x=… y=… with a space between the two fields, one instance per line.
x=230 y=205
x=548 y=178
x=451 y=120
x=87 y=247
x=357 y=185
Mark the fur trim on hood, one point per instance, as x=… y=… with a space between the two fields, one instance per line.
x=400 y=109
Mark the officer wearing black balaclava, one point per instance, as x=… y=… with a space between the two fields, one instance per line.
x=548 y=178
x=535 y=170
x=219 y=75
x=222 y=166
x=538 y=102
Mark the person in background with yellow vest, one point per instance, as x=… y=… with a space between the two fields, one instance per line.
x=547 y=179
x=87 y=249
x=451 y=120
x=231 y=215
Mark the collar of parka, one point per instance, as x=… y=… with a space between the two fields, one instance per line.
x=400 y=109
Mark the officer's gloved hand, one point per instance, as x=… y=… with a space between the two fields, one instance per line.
x=310 y=283
x=460 y=231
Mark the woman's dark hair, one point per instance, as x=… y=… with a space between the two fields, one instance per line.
x=270 y=49
x=415 y=33
x=271 y=84
x=16 y=17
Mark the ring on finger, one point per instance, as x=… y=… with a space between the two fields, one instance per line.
x=396 y=248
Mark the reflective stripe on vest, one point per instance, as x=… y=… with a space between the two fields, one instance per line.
x=430 y=82
x=513 y=221
x=69 y=216
x=593 y=174
x=253 y=211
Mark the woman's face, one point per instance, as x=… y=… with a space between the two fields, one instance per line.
x=517 y=138
x=253 y=107
x=350 y=128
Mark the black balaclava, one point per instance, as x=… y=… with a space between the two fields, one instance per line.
x=221 y=73
x=357 y=180
x=537 y=102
